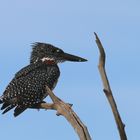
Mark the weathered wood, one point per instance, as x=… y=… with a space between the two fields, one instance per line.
x=107 y=90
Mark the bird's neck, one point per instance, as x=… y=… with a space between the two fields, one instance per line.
x=50 y=62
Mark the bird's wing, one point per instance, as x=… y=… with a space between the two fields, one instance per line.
x=24 y=71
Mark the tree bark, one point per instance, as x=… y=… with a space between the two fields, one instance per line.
x=65 y=110
x=107 y=90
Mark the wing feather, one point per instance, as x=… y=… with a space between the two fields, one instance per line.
x=24 y=71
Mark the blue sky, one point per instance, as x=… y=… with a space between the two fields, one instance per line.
x=70 y=26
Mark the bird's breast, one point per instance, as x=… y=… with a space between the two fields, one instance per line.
x=53 y=74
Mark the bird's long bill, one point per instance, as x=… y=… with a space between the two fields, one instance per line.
x=70 y=57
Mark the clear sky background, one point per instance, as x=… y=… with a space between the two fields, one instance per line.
x=70 y=25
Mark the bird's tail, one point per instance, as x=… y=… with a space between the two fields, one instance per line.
x=18 y=110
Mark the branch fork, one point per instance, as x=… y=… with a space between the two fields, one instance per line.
x=65 y=109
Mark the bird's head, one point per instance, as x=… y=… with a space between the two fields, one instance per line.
x=51 y=55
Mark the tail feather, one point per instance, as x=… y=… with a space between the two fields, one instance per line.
x=18 y=110
x=5 y=105
x=8 y=108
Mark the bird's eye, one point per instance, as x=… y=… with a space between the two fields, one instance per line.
x=57 y=50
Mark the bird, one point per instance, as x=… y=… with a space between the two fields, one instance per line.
x=27 y=88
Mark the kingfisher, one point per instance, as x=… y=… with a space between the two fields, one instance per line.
x=27 y=88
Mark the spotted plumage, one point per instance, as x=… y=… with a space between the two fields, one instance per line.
x=27 y=88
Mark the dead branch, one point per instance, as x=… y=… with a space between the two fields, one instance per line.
x=107 y=90
x=65 y=110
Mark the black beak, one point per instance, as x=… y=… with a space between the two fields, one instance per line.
x=70 y=57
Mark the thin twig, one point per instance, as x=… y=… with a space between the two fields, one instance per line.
x=65 y=110
x=107 y=90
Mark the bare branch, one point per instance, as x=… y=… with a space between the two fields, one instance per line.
x=107 y=90
x=65 y=110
